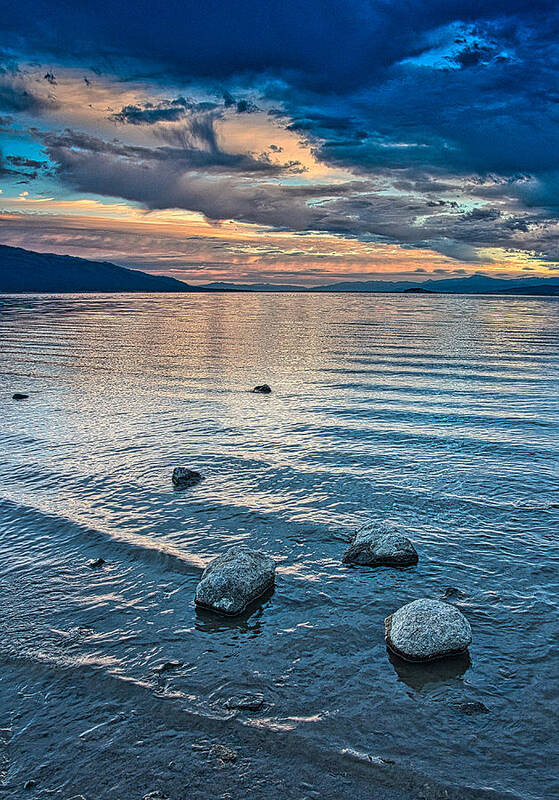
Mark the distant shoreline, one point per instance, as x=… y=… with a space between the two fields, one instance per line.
x=203 y=290
x=29 y=272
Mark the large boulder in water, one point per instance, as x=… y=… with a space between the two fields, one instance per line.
x=377 y=546
x=234 y=579
x=427 y=630
x=184 y=477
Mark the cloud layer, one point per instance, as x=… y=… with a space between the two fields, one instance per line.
x=431 y=126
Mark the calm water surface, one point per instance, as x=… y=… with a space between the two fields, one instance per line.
x=436 y=414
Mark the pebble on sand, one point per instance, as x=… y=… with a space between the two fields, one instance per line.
x=426 y=630
x=234 y=579
x=184 y=477
x=262 y=389
x=375 y=546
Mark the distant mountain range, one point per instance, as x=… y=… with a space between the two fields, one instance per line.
x=27 y=271
x=473 y=284
x=24 y=271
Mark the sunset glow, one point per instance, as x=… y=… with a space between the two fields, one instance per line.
x=269 y=175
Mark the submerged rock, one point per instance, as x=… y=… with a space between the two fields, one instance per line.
x=223 y=754
x=426 y=630
x=19 y=396
x=377 y=546
x=252 y=702
x=184 y=477
x=366 y=758
x=263 y=389
x=168 y=665
x=234 y=579
x=452 y=591
x=472 y=707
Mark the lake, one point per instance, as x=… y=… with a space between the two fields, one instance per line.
x=435 y=414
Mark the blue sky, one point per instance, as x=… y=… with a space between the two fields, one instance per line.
x=293 y=142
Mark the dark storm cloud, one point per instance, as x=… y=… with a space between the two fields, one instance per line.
x=166 y=177
x=171 y=178
x=481 y=119
x=134 y=115
x=14 y=97
x=163 y=111
x=472 y=56
x=27 y=163
x=203 y=178
x=19 y=167
x=443 y=101
x=191 y=148
x=15 y=94
x=328 y=44
x=177 y=109
x=351 y=76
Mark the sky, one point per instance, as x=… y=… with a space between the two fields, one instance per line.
x=288 y=142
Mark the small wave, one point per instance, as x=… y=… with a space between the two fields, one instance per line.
x=135 y=547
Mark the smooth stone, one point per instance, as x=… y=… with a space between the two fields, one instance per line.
x=97 y=563
x=263 y=389
x=426 y=630
x=234 y=579
x=19 y=396
x=183 y=477
x=376 y=546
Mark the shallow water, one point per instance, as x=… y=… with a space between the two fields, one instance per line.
x=437 y=414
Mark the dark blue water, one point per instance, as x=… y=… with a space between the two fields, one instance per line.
x=438 y=414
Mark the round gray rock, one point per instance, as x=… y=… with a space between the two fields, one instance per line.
x=234 y=579
x=376 y=546
x=426 y=630
x=184 y=477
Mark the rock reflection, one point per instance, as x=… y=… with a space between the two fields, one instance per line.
x=250 y=621
x=431 y=674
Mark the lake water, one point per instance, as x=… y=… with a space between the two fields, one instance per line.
x=436 y=414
